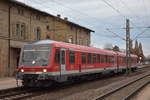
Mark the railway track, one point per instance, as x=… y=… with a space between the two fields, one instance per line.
x=126 y=90
x=26 y=93
x=17 y=93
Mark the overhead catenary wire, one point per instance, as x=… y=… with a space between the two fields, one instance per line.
x=144 y=37
x=140 y=34
x=121 y=15
x=130 y=10
x=115 y=9
x=145 y=9
x=115 y=34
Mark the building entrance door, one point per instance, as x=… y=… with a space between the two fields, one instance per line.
x=14 y=60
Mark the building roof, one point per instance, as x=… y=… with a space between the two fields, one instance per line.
x=69 y=22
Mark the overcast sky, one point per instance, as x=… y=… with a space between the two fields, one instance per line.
x=99 y=15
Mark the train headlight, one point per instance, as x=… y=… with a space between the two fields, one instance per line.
x=44 y=70
x=22 y=70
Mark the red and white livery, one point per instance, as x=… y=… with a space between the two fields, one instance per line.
x=45 y=62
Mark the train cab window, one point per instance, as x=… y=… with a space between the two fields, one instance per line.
x=57 y=56
x=98 y=58
x=103 y=59
x=83 y=58
x=89 y=58
x=72 y=57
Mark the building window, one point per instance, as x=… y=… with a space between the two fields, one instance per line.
x=71 y=27
x=47 y=37
x=87 y=42
x=70 y=40
x=38 y=17
x=72 y=57
x=47 y=27
x=38 y=34
x=83 y=58
x=22 y=34
x=17 y=29
x=79 y=30
x=20 y=11
x=87 y=33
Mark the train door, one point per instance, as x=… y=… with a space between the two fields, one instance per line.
x=62 y=61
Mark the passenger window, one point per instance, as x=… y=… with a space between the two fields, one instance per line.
x=98 y=58
x=57 y=56
x=83 y=58
x=89 y=58
x=106 y=58
x=72 y=57
x=113 y=59
x=94 y=58
x=103 y=59
x=109 y=59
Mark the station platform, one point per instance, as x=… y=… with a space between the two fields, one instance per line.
x=7 y=83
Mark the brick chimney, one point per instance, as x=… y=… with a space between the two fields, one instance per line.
x=58 y=15
x=65 y=18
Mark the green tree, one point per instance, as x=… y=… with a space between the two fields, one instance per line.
x=116 y=48
x=136 y=49
x=141 y=54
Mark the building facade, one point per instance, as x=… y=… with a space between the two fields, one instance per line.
x=20 y=23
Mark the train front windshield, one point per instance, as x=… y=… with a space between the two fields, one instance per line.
x=35 y=55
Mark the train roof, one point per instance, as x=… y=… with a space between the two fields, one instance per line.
x=124 y=54
x=80 y=48
x=74 y=47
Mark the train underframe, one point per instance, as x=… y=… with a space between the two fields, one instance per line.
x=45 y=80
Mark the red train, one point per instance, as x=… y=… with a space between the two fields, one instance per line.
x=45 y=62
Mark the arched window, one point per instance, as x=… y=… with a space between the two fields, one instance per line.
x=38 y=34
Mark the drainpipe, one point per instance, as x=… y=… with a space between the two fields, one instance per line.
x=9 y=12
x=76 y=36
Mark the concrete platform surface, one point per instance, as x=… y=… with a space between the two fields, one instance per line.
x=6 y=83
x=144 y=94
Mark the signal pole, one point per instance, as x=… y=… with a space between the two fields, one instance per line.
x=127 y=46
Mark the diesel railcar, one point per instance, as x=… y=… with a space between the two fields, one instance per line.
x=46 y=62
